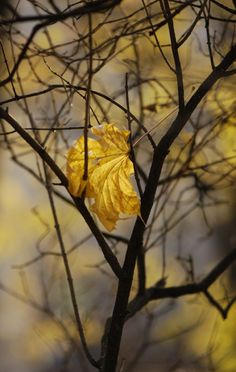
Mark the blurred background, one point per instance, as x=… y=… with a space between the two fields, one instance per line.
x=192 y=225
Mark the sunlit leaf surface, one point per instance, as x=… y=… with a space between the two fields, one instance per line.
x=109 y=170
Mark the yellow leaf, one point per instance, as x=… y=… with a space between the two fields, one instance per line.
x=109 y=171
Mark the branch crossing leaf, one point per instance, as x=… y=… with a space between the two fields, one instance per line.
x=109 y=171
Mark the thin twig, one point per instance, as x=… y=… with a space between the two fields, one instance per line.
x=174 y=47
x=141 y=254
x=67 y=269
x=88 y=96
x=156 y=292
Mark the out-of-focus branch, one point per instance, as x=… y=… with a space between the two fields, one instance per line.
x=90 y=7
x=49 y=19
x=157 y=292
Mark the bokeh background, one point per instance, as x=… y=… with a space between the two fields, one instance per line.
x=193 y=221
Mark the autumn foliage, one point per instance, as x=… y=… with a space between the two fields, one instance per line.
x=118 y=169
x=108 y=174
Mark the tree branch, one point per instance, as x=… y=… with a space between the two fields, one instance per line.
x=156 y=292
x=107 y=252
x=174 y=47
x=49 y=19
x=114 y=332
x=67 y=270
x=90 y=7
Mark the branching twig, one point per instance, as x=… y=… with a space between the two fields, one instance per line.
x=156 y=292
x=119 y=312
x=110 y=257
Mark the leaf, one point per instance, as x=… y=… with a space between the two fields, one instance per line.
x=109 y=171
